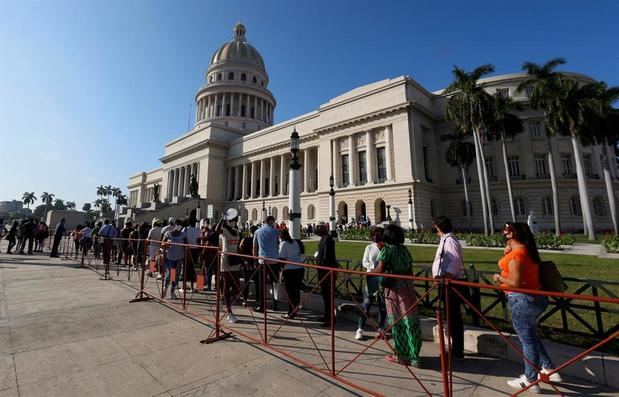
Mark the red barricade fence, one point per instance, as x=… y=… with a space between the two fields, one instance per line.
x=203 y=307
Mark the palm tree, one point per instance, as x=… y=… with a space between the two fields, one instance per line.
x=573 y=108
x=108 y=192
x=116 y=191
x=47 y=198
x=100 y=190
x=461 y=154
x=607 y=133
x=541 y=81
x=503 y=125
x=469 y=106
x=70 y=205
x=86 y=207
x=97 y=203
x=28 y=198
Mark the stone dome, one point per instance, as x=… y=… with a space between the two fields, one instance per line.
x=238 y=50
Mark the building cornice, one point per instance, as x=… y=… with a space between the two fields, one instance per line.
x=194 y=148
x=368 y=116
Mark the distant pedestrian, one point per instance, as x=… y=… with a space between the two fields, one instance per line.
x=108 y=234
x=174 y=255
x=371 y=290
x=58 y=233
x=448 y=263
x=290 y=251
x=246 y=247
x=193 y=239
x=266 y=245
x=230 y=265
x=325 y=257
x=520 y=269
x=400 y=298
x=11 y=236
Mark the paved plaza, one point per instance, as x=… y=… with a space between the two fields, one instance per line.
x=65 y=332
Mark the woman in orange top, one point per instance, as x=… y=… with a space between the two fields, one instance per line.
x=520 y=269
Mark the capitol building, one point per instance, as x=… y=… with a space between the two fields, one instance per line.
x=377 y=141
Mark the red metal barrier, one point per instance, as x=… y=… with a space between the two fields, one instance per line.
x=330 y=369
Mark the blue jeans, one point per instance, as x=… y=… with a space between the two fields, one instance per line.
x=524 y=310
x=371 y=293
x=169 y=265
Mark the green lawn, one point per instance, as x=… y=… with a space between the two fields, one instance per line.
x=570 y=265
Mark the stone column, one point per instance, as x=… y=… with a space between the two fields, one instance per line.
x=229 y=184
x=187 y=179
x=263 y=172
x=282 y=175
x=272 y=178
x=337 y=178
x=170 y=182
x=252 y=184
x=237 y=185
x=370 y=154
x=389 y=153
x=247 y=106
x=174 y=180
x=255 y=107
x=306 y=185
x=352 y=161
x=244 y=182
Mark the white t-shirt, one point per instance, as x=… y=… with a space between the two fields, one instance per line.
x=290 y=252
x=228 y=243
x=154 y=234
x=370 y=257
x=166 y=229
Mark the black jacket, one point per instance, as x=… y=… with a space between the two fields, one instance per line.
x=326 y=252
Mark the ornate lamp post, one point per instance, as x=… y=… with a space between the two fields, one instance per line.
x=294 y=188
x=332 y=208
x=389 y=213
x=264 y=212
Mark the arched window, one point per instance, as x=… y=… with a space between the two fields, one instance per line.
x=254 y=79
x=380 y=211
x=311 y=212
x=598 y=206
x=284 y=213
x=254 y=215
x=243 y=77
x=547 y=206
x=519 y=206
x=243 y=125
x=210 y=79
x=231 y=76
x=342 y=212
x=360 y=210
x=219 y=76
x=262 y=83
x=575 y=206
x=274 y=212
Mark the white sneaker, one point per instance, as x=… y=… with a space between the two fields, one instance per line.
x=556 y=377
x=180 y=290
x=159 y=276
x=359 y=334
x=522 y=382
x=232 y=318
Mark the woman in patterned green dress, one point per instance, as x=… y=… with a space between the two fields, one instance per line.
x=399 y=298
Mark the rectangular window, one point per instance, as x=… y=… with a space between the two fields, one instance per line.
x=513 y=165
x=277 y=185
x=540 y=164
x=529 y=91
x=363 y=172
x=381 y=164
x=490 y=167
x=586 y=164
x=504 y=92
x=566 y=161
x=535 y=129
x=345 y=173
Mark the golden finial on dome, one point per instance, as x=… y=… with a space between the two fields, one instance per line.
x=239 y=31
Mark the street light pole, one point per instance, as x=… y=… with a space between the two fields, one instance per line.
x=331 y=207
x=294 y=188
x=264 y=212
x=410 y=209
x=411 y=206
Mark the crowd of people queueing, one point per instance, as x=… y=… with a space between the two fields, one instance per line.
x=272 y=245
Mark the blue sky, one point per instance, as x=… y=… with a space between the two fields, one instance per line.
x=91 y=90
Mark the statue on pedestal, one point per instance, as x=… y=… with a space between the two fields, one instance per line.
x=193 y=187
x=156 y=193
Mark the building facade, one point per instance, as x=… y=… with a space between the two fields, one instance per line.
x=377 y=141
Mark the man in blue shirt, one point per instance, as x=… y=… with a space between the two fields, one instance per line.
x=108 y=233
x=266 y=245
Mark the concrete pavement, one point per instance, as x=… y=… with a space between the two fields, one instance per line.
x=64 y=332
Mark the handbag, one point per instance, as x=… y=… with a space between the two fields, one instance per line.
x=550 y=278
x=279 y=291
